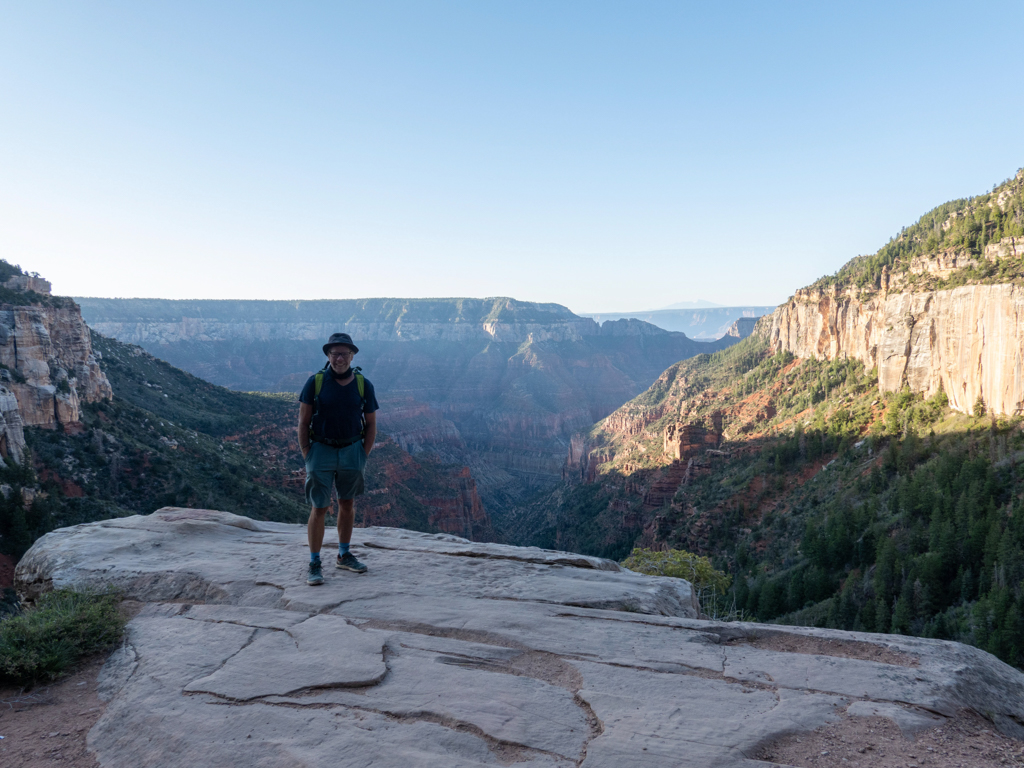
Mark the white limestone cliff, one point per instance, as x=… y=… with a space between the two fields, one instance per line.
x=47 y=367
x=967 y=341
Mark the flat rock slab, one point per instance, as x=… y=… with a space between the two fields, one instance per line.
x=453 y=653
x=321 y=652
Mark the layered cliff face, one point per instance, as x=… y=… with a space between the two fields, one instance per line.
x=47 y=364
x=149 y=322
x=967 y=341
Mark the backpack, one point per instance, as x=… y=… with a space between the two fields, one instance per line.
x=360 y=385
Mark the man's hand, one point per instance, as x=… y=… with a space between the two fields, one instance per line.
x=370 y=433
x=305 y=416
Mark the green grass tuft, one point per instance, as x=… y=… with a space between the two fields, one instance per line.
x=44 y=641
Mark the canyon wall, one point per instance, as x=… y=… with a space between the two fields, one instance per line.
x=47 y=364
x=497 y=385
x=967 y=341
x=149 y=322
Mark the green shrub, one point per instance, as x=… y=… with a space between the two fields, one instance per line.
x=65 y=625
x=709 y=585
x=680 y=564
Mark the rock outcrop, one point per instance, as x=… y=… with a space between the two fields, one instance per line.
x=47 y=366
x=743 y=327
x=28 y=283
x=463 y=654
x=683 y=440
x=967 y=341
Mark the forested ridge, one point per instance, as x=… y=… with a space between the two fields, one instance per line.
x=967 y=225
x=828 y=503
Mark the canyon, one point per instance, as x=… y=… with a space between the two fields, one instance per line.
x=250 y=437
x=853 y=463
x=807 y=453
x=93 y=428
x=496 y=385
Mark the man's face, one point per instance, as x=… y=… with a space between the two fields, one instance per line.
x=340 y=358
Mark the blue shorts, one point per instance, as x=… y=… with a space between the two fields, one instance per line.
x=342 y=466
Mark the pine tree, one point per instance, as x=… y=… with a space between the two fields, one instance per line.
x=901 y=615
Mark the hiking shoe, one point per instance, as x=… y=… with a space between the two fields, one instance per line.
x=315 y=575
x=348 y=562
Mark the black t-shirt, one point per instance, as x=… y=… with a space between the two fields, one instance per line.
x=339 y=417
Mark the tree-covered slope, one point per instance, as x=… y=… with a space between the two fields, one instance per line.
x=829 y=504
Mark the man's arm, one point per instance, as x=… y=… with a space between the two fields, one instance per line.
x=305 y=416
x=370 y=435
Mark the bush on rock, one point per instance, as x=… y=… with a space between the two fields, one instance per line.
x=65 y=625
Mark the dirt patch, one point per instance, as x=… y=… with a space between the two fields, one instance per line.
x=819 y=646
x=539 y=665
x=469 y=635
x=47 y=725
x=966 y=741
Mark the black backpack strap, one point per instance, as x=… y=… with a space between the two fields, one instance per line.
x=361 y=389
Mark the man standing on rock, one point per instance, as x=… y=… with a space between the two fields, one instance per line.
x=337 y=429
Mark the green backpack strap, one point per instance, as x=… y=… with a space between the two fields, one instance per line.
x=319 y=382
x=317 y=386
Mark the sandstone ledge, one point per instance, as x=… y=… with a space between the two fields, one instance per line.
x=462 y=654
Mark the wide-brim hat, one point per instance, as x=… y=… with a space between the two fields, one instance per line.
x=337 y=339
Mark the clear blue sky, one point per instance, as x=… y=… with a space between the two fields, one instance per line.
x=607 y=156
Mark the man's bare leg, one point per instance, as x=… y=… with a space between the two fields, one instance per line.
x=315 y=536
x=346 y=519
x=315 y=528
